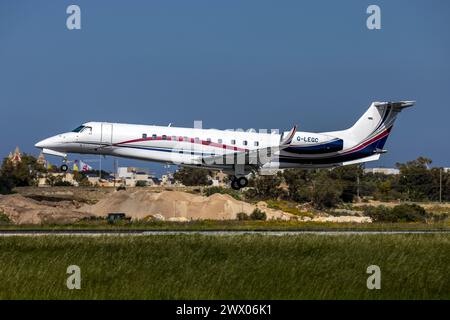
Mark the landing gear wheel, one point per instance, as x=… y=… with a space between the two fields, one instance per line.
x=235 y=185
x=242 y=182
x=64 y=168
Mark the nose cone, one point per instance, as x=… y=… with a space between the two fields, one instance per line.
x=41 y=144
x=47 y=143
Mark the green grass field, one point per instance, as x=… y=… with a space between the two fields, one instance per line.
x=226 y=267
x=231 y=225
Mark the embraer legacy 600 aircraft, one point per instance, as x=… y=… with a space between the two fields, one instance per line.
x=237 y=153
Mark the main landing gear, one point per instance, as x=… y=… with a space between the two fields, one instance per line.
x=238 y=183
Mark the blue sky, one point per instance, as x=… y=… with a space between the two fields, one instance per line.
x=232 y=64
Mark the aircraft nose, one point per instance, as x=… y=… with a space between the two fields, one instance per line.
x=46 y=143
x=41 y=144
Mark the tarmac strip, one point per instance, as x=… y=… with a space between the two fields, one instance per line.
x=96 y=233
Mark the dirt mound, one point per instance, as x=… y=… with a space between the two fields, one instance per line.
x=22 y=210
x=175 y=204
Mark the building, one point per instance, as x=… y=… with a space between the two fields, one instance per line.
x=387 y=171
x=15 y=157
x=167 y=179
x=41 y=160
x=218 y=179
x=130 y=176
x=65 y=177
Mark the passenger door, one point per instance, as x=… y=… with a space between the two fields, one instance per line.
x=106 y=137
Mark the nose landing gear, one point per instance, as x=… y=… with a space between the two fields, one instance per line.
x=64 y=167
x=238 y=182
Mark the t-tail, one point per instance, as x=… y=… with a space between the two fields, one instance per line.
x=368 y=135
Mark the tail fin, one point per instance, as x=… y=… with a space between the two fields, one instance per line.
x=376 y=121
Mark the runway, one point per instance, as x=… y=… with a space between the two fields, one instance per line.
x=97 y=233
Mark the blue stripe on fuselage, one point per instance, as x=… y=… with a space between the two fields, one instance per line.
x=365 y=152
x=333 y=146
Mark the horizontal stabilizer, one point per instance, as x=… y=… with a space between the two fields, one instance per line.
x=395 y=105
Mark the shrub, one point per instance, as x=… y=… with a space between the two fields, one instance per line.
x=409 y=213
x=63 y=184
x=400 y=213
x=212 y=190
x=378 y=214
x=258 y=215
x=241 y=216
x=4 y=219
x=141 y=183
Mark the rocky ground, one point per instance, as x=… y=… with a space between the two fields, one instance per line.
x=68 y=205
x=23 y=210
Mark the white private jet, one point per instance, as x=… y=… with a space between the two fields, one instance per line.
x=237 y=153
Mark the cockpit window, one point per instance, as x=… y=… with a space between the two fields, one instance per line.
x=87 y=130
x=78 y=129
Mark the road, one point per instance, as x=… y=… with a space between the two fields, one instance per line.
x=90 y=233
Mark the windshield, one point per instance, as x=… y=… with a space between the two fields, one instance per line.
x=78 y=129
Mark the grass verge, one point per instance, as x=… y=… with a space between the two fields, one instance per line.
x=232 y=225
x=226 y=267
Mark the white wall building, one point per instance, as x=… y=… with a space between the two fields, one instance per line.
x=389 y=171
x=130 y=176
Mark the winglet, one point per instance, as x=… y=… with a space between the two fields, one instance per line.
x=290 y=136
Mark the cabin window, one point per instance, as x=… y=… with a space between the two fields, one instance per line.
x=233 y=141
x=244 y=142
x=154 y=136
x=144 y=136
x=219 y=140
x=164 y=137
x=186 y=139
x=174 y=138
x=197 y=140
x=208 y=140
x=256 y=143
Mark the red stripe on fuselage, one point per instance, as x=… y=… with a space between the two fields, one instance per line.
x=380 y=136
x=181 y=139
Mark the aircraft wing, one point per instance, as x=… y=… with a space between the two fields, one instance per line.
x=258 y=156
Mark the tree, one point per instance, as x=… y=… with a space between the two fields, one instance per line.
x=348 y=177
x=326 y=192
x=6 y=185
x=265 y=187
x=19 y=174
x=416 y=182
x=299 y=183
x=192 y=176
